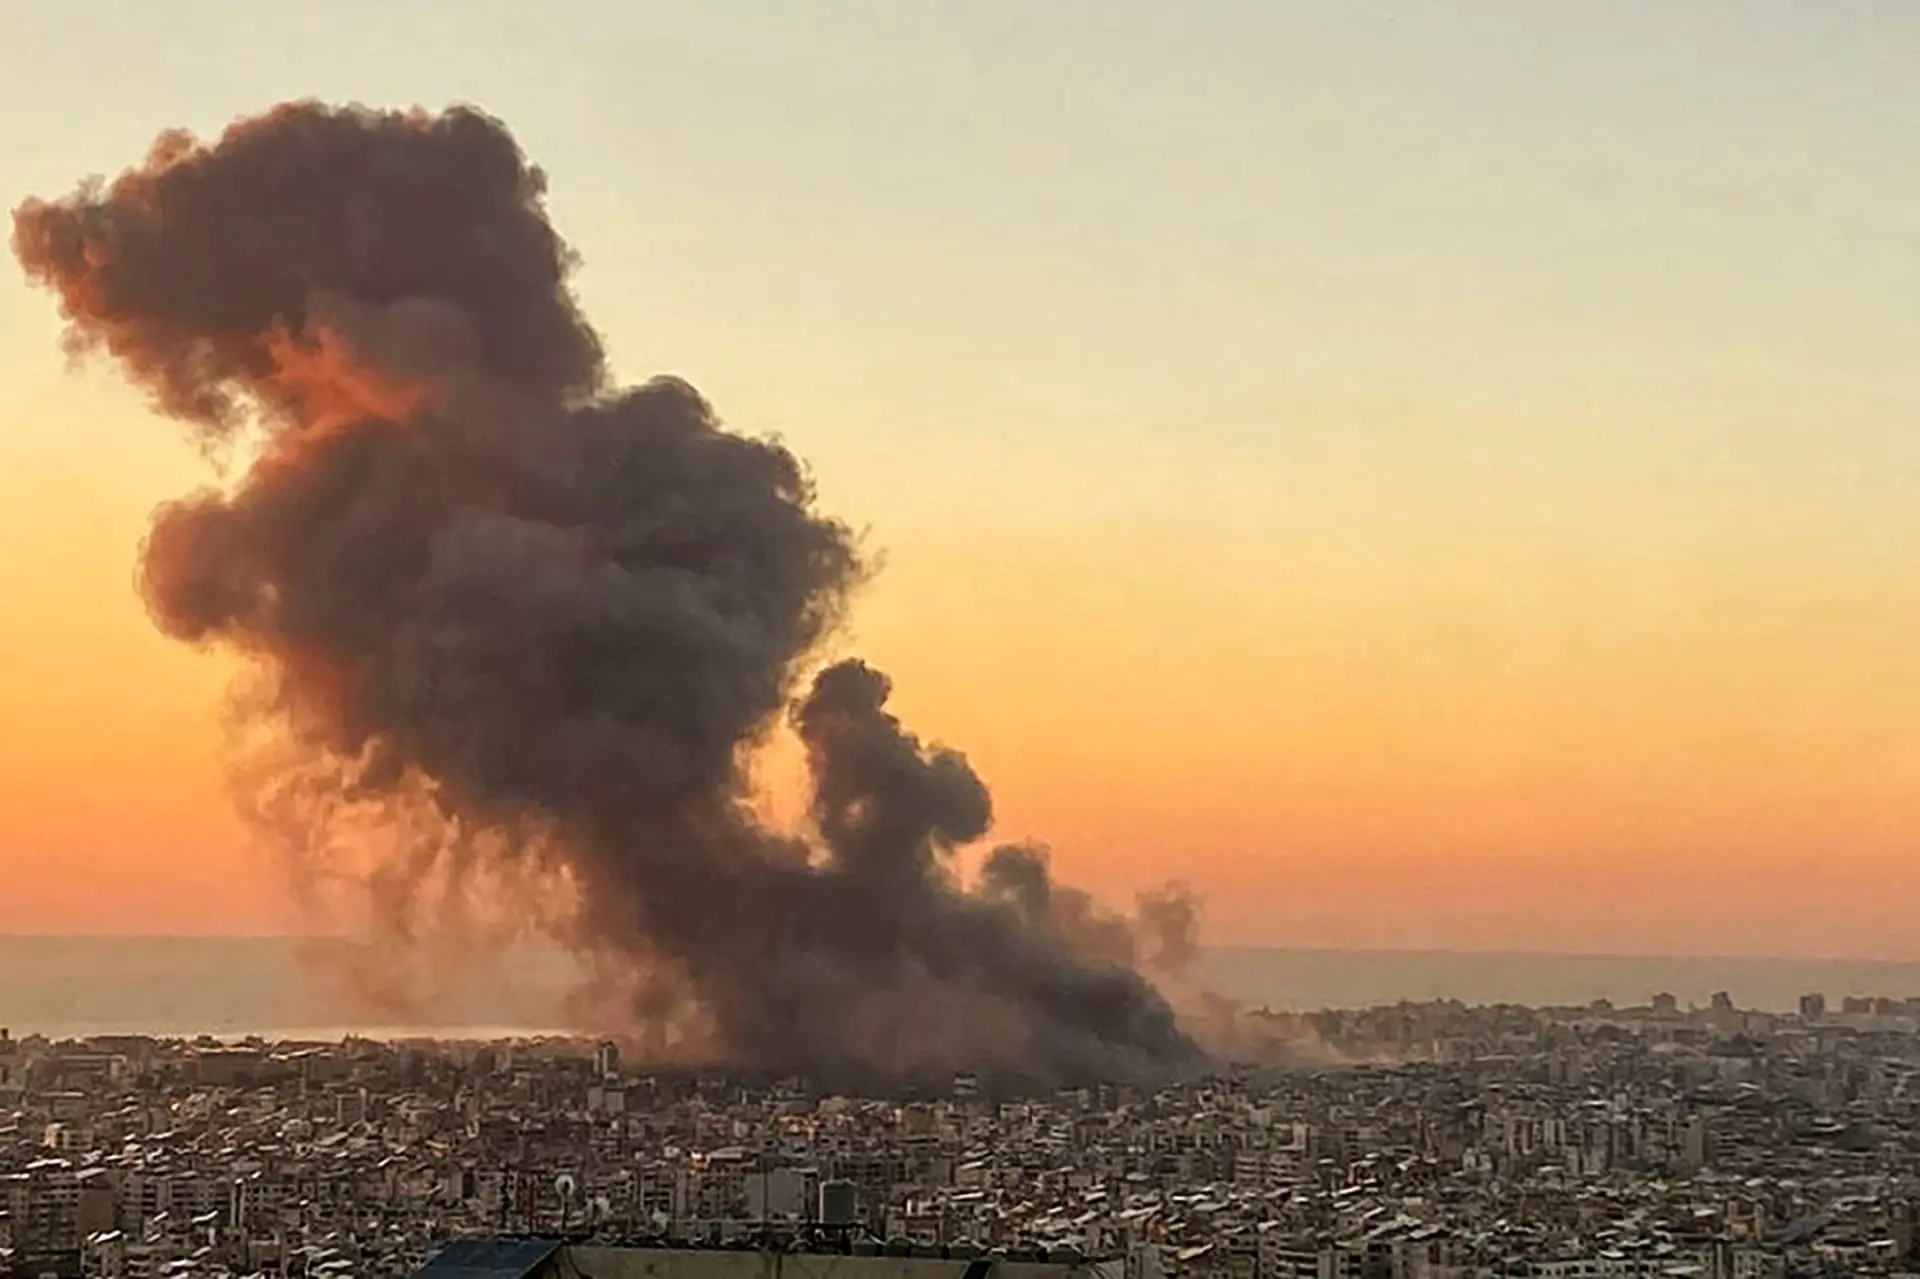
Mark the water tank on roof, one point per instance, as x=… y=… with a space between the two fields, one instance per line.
x=839 y=1203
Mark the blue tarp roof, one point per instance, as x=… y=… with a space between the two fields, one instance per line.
x=489 y=1259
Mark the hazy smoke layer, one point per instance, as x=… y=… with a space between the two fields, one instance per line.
x=517 y=626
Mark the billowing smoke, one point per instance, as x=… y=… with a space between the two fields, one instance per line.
x=512 y=626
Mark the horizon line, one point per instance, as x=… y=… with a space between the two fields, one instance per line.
x=1399 y=952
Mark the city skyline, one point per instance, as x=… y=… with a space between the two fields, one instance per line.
x=1431 y=480
x=1431 y=1140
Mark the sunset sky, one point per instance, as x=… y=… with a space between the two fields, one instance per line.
x=1431 y=474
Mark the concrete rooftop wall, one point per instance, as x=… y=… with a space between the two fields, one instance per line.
x=590 y=1262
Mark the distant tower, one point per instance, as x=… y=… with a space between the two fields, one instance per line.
x=1813 y=1007
x=606 y=1060
x=1698 y=1143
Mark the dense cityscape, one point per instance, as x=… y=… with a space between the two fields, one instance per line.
x=1412 y=1140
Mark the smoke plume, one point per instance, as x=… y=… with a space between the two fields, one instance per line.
x=515 y=630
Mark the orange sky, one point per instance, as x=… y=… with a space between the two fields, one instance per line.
x=1707 y=752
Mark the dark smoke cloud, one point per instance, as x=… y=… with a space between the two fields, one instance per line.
x=512 y=626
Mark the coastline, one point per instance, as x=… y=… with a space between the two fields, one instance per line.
x=232 y=987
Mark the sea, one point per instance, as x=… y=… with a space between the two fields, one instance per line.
x=280 y=988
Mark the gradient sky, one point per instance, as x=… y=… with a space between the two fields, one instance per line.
x=1436 y=474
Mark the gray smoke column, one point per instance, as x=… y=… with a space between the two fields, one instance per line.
x=514 y=624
